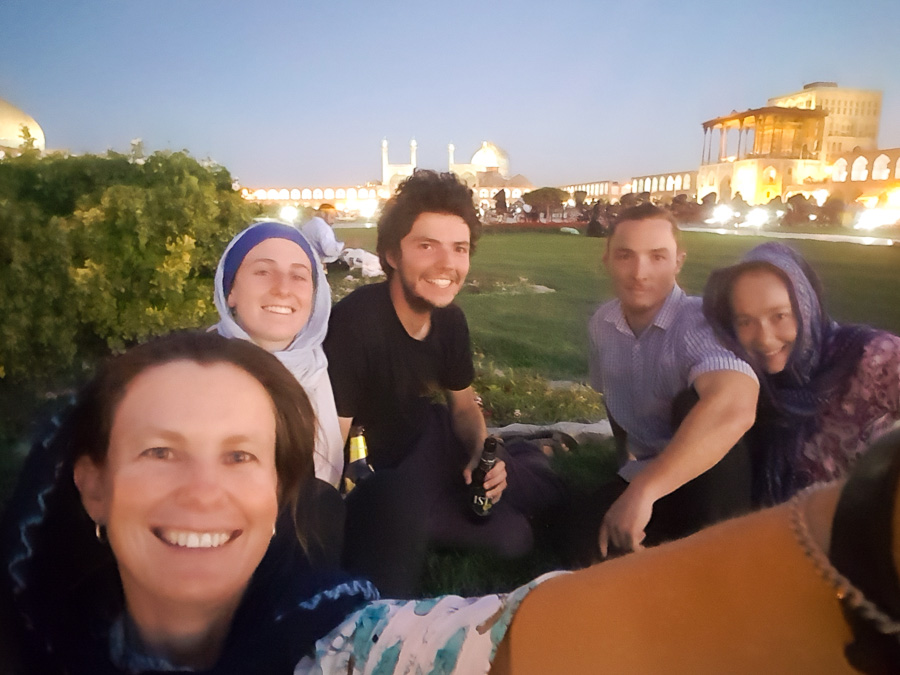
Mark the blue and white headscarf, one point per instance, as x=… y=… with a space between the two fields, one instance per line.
x=304 y=357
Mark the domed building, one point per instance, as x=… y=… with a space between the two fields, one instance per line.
x=12 y=119
x=487 y=173
x=487 y=159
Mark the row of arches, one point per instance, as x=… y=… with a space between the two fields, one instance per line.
x=295 y=194
x=859 y=169
x=485 y=193
x=672 y=183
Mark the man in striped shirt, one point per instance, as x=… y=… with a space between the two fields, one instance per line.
x=678 y=400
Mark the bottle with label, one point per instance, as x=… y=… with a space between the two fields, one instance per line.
x=357 y=468
x=480 y=503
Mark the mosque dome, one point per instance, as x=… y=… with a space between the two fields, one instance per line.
x=490 y=157
x=11 y=121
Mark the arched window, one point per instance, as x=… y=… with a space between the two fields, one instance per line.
x=654 y=185
x=329 y=193
x=307 y=194
x=295 y=194
x=839 y=171
x=670 y=183
x=677 y=182
x=483 y=193
x=284 y=194
x=860 y=169
x=880 y=170
x=271 y=193
x=516 y=193
x=317 y=193
x=770 y=174
x=341 y=193
x=351 y=193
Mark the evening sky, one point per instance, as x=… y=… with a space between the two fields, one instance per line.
x=293 y=93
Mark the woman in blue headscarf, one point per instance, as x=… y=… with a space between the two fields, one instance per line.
x=827 y=389
x=270 y=290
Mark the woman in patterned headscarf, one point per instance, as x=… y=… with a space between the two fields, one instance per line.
x=827 y=389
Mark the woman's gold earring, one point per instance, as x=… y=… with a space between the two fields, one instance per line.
x=98 y=532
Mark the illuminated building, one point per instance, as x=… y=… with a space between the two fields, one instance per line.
x=607 y=190
x=663 y=187
x=487 y=173
x=865 y=174
x=853 y=117
x=11 y=122
x=761 y=153
x=393 y=174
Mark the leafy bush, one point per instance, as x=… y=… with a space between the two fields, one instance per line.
x=97 y=253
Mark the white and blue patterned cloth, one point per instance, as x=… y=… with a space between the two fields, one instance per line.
x=447 y=634
x=640 y=377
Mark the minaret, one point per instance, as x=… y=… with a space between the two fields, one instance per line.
x=385 y=178
x=450 y=149
x=412 y=152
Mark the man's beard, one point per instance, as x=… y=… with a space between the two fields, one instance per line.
x=416 y=302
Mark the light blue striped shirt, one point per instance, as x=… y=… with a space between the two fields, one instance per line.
x=640 y=377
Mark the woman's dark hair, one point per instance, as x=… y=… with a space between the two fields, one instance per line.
x=424 y=192
x=92 y=417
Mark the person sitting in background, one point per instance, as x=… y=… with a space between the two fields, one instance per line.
x=161 y=528
x=678 y=401
x=399 y=350
x=270 y=290
x=827 y=389
x=319 y=231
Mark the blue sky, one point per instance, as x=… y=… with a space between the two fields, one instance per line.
x=290 y=93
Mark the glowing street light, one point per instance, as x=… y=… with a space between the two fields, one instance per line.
x=289 y=213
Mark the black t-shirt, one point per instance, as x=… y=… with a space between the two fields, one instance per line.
x=383 y=378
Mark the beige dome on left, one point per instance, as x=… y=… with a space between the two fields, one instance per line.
x=11 y=121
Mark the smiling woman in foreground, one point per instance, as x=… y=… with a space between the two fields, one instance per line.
x=161 y=527
x=182 y=453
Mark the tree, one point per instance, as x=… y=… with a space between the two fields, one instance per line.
x=28 y=146
x=546 y=199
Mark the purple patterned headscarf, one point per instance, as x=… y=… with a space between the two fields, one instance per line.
x=820 y=367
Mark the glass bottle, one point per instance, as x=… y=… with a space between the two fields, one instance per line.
x=480 y=503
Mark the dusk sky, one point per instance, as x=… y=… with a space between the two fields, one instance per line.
x=292 y=93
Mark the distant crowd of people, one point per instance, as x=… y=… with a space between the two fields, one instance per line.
x=186 y=514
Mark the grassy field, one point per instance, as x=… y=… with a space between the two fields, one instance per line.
x=546 y=332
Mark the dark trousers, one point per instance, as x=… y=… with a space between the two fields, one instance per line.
x=394 y=514
x=722 y=492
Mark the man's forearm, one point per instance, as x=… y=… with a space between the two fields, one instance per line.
x=468 y=422
x=723 y=414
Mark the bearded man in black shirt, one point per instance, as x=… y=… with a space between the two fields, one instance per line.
x=400 y=362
